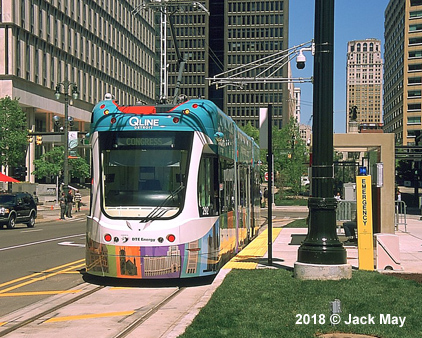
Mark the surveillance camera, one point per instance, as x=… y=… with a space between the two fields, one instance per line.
x=300 y=60
x=108 y=96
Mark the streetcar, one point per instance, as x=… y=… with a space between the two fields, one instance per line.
x=175 y=190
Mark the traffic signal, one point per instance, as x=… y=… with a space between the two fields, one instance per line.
x=20 y=172
x=17 y=172
x=38 y=140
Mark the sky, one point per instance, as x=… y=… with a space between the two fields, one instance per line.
x=353 y=20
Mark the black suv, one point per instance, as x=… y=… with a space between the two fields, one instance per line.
x=17 y=208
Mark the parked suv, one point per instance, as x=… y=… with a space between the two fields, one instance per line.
x=17 y=208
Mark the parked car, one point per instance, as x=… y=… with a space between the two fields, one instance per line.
x=17 y=208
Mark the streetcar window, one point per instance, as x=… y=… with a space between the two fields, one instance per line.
x=227 y=185
x=208 y=186
x=141 y=171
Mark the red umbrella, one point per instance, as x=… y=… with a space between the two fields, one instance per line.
x=5 y=178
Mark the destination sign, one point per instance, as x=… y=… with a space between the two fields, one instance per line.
x=145 y=141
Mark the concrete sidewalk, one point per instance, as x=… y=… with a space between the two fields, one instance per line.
x=284 y=248
x=51 y=211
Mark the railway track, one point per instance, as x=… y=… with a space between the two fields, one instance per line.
x=17 y=324
x=103 y=311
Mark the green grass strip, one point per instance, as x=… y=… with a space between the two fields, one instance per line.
x=269 y=303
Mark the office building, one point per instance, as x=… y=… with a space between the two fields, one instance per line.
x=403 y=70
x=364 y=84
x=101 y=46
x=233 y=34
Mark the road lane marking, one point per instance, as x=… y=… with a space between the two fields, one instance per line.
x=68 y=243
x=65 y=268
x=39 y=293
x=39 y=242
x=91 y=316
x=32 y=230
x=41 y=273
x=40 y=278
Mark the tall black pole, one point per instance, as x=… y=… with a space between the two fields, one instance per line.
x=322 y=245
x=270 y=184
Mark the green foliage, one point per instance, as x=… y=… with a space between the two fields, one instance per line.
x=251 y=131
x=13 y=133
x=290 y=157
x=79 y=168
x=51 y=164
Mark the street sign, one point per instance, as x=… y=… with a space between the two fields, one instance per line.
x=266 y=176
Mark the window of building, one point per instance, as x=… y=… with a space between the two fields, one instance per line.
x=415 y=14
x=413 y=120
x=413 y=93
x=415 y=67
x=415 y=54
x=415 y=41
x=414 y=80
x=415 y=27
x=413 y=133
x=415 y=2
x=414 y=107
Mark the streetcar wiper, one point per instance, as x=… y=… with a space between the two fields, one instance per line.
x=158 y=211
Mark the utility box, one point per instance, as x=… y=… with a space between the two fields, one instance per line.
x=388 y=252
x=349 y=191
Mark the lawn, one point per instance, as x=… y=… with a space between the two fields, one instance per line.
x=297 y=223
x=271 y=303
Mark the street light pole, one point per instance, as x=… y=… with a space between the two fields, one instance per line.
x=322 y=246
x=66 y=85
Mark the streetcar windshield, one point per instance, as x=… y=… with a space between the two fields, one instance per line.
x=144 y=173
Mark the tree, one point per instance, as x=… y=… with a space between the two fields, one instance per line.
x=50 y=164
x=290 y=156
x=253 y=132
x=13 y=132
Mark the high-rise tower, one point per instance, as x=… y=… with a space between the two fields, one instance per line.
x=403 y=70
x=233 y=34
x=364 y=83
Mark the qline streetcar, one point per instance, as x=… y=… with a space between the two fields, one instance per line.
x=175 y=190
